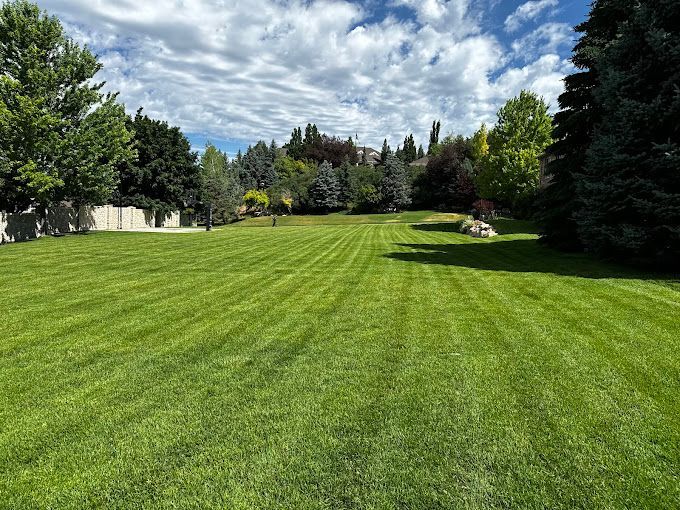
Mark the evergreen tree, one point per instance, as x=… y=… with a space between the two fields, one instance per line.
x=421 y=152
x=258 y=165
x=384 y=152
x=395 y=187
x=60 y=137
x=295 y=146
x=434 y=136
x=344 y=174
x=324 y=191
x=363 y=156
x=574 y=124
x=630 y=189
x=219 y=185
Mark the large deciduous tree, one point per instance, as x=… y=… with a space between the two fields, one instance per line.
x=511 y=171
x=166 y=172
x=60 y=136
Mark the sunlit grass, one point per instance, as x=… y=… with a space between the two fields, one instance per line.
x=350 y=366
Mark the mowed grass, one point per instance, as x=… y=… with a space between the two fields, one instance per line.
x=346 y=366
x=344 y=218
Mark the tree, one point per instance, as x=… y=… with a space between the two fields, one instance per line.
x=630 y=187
x=446 y=182
x=395 y=188
x=421 y=152
x=60 y=137
x=295 y=146
x=574 y=124
x=219 y=185
x=479 y=144
x=256 y=200
x=258 y=166
x=409 y=153
x=386 y=151
x=510 y=173
x=166 y=171
x=434 y=136
x=344 y=173
x=324 y=191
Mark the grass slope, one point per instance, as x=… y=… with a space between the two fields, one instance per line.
x=343 y=218
x=351 y=366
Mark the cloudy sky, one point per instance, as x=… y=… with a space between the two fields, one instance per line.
x=235 y=71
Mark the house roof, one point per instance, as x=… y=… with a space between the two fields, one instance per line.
x=421 y=162
x=372 y=155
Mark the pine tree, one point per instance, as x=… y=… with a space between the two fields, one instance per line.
x=395 y=187
x=421 y=152
x=574 y=124
x=344 y=182
x=259 y=167
x=630 y=189
x=324 y=191
x=295 y=146
x=384 y=152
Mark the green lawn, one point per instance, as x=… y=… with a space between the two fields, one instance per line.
x=345 y=366
x=343 y=218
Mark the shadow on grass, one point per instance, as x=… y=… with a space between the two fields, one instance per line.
x=438 y=227
x=519 y=256
x=504 y=226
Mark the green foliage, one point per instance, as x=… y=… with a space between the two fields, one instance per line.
x=220 y=185
x=447 y=182
x=395 y=188
x=60 y=137
x=421 y=152
x=630 y=189
x=367 y=199
x=325 y=190
x=510 y=173
x=434 y=137
x=166 y=172
x=574 y=125
x=258 y=166
x=256 y=200
x=409 y=153
x=479 y=144
x=294 y=181
x=385 y=151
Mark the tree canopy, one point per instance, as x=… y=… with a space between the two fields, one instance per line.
x=61 y=138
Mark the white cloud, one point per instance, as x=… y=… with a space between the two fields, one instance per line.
x=548 y=38
x=527 y=11
x=256 y=69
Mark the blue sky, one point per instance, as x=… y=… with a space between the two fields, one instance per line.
x=234 y=72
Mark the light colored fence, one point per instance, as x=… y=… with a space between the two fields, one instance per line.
x=28 y=225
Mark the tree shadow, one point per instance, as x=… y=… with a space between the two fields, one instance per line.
x=438 y=227
x=520 y=256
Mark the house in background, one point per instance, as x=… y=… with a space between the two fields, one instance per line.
x=421 y=162
x=372 y=156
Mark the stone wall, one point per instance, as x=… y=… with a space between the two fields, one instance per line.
x=18 y=227
x=23 y=226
